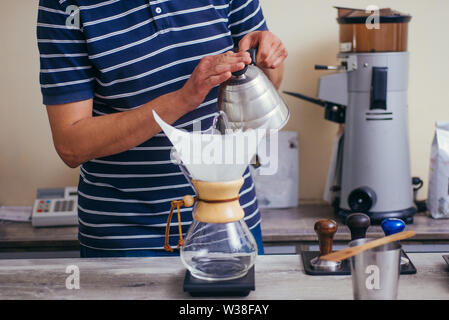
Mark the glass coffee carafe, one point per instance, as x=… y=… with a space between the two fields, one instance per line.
x=219 y=251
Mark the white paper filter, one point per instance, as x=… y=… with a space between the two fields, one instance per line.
x=213 y=157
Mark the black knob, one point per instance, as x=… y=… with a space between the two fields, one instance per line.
x=334 y=112
x=321 y=67
x=253 y=54
x=240 y=72
x=358 y=223
x=362 y=199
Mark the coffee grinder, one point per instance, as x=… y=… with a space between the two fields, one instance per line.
x=368 y=95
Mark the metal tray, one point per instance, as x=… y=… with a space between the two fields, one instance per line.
x=345 y=267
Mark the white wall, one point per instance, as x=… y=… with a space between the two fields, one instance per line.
x=310 y=32
x=27 y=157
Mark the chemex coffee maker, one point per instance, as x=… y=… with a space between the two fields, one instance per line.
x=368 y=94
x=219 y=250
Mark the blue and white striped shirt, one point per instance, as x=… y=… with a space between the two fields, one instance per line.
x=126 y=53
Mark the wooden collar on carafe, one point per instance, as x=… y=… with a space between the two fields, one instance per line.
x=218 y=201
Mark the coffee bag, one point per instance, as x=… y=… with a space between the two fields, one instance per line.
x=438 y=194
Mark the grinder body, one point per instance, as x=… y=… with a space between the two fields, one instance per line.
x=375 y=171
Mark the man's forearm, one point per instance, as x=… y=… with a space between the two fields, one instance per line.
x=94 y=137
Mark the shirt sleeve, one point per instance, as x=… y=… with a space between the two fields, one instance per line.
x=66 y=74
x=245 y=16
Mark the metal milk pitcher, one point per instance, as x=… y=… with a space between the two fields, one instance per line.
x=250 y=101
x=375 y=272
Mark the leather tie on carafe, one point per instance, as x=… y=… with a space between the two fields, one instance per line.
x=187 y=201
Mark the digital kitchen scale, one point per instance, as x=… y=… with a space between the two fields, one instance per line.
x=240 y=287
x=55 y=207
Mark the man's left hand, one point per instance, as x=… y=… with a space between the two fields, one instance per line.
x=271 y=51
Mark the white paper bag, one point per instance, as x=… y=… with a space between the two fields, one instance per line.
x=277 y=184
x=438 y=195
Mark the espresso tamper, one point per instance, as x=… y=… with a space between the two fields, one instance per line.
x=358 y=223
x=391 y=226
x=325 y=229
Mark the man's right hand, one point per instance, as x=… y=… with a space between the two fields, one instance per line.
x=210 y=72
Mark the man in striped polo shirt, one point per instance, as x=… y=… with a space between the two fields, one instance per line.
x=105 y=65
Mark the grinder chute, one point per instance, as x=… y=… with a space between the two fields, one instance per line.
x=368 y=94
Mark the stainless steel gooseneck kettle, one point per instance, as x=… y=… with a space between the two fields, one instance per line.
x=250 y=101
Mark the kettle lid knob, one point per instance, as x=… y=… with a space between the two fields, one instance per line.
x=253 y=54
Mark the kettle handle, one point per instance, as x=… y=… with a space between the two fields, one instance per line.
x=253 y=54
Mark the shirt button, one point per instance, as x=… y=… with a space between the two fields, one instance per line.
x=158 y=10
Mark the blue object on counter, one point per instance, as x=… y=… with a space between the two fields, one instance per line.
x=392 y=225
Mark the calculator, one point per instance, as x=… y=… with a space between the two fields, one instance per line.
x=55 y=207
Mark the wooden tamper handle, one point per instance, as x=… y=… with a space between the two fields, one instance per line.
x=358 y=223
x=325 y=229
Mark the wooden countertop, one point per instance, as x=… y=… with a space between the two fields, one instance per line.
x=277 y=277
x=22 y=235
x=278 y=225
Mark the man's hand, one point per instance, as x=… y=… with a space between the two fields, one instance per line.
x=210 y=72
x=271 y=51
x=271 y=54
